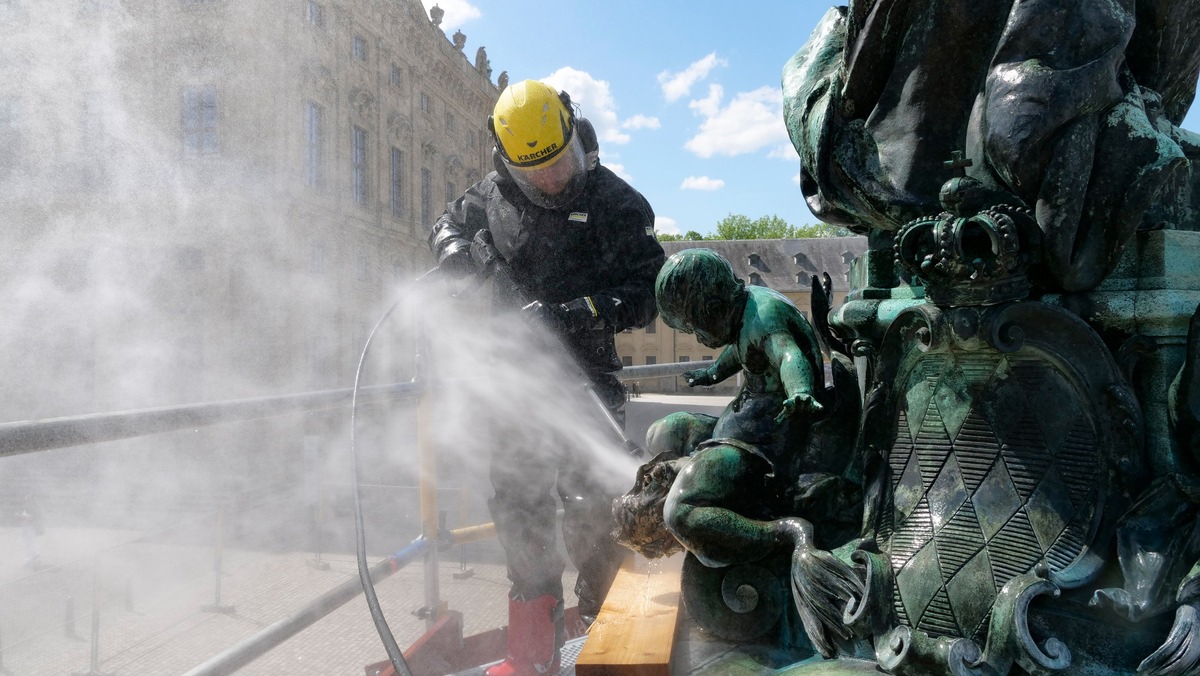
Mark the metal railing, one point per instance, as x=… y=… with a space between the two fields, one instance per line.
x=17 y=438
x=31 y=436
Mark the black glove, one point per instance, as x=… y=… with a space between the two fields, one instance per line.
x=483 y=250
x=580 y=314
x=456 y=260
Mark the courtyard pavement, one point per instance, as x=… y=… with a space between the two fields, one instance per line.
x=160 y=618
x=128 y=603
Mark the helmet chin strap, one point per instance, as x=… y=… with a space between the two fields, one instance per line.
x=500 y=166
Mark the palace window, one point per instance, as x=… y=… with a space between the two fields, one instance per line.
x=314 y=123
x=426 y=198
x=361 y=175
x=397 y=183
x=316 y=14
x=199 y=120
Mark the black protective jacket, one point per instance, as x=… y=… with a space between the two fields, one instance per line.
x=601 y=245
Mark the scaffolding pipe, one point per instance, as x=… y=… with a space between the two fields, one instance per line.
x=30 y=436
x=462 y=536
x=649 y=371
x=17 y=438
x=273 y=635
x=427 y=481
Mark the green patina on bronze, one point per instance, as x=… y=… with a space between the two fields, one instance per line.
x=750 y=486
x=1022 y=413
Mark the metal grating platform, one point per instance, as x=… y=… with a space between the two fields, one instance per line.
x=569 y=654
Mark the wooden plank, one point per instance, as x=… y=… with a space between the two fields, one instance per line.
x=635 y=630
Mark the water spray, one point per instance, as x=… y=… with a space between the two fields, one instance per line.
x=395 y=655
x=489 y=260
x=490 y=265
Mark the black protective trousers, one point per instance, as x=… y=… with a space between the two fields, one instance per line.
x=531 y=473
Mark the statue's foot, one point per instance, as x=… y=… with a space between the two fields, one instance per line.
x=823 y=587
x=1131 y=607
x=1180 y=654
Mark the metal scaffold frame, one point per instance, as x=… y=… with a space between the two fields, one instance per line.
x=33 y=436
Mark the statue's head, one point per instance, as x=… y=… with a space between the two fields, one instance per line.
x=698 y=293
x=639 y=513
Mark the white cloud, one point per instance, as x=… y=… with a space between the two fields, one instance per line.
x=701 y=183
x=594 y=99
x=796 y=178
x=678 y=85
x=751 y=121
x=784 y=151
x=711 y=104
x=640 y=121
x=666 y=226
x=610 y=160
x=458 y=12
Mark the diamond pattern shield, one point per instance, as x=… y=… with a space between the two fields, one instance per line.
x=994 y=471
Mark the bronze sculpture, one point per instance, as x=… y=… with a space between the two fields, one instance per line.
x=1024 y=331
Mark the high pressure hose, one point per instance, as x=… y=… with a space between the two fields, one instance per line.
x=360 y=538
x=497 y=268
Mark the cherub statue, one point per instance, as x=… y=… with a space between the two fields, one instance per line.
x=728 y=476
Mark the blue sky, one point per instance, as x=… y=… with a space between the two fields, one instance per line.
x=685 y=95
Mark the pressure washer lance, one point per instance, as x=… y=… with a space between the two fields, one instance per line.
x=484 y=253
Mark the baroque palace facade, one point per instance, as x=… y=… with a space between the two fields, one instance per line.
x=244 y=183
x=206 y=200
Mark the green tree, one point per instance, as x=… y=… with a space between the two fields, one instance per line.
x=689 y=236
x=822 y=230
x=739 y=226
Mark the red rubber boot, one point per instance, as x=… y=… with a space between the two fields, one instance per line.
x=531 y=643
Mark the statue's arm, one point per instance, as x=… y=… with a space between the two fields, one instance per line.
x=451 y=234
x=726 y=364
x=795 y=373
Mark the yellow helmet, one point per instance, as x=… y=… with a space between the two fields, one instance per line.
x=535 y=136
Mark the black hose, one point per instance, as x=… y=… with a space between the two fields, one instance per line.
x=360 y=536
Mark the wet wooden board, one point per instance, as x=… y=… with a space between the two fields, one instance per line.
x=635 y=630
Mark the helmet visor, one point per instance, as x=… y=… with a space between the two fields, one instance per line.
x=556 y=182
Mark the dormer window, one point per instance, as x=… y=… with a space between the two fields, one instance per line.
x=754 y=260
x=803 y=261
x=756 y=279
